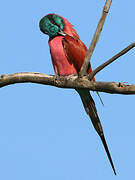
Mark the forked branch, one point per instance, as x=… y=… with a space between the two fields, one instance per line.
x=81 y=81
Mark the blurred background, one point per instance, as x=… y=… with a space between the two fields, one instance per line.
x=44 y=131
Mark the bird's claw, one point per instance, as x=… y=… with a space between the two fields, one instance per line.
x=56 y=78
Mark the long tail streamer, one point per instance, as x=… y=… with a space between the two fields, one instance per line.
x=90 y=109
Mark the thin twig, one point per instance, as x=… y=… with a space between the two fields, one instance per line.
x=84 y=67
x=66 y=82
x=124 y=51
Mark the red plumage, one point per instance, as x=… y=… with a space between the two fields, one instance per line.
x=68 y=53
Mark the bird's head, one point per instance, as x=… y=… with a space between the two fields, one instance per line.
x=52 y=25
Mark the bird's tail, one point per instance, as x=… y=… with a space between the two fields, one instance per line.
x=90 y=109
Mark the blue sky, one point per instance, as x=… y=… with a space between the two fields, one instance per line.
x=44 y=131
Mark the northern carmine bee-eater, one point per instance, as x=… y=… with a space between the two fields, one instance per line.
x=68 y=53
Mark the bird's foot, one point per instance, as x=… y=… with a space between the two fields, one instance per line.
x=56 y=78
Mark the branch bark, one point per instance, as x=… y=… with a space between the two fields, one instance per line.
x=84 y=67
x=66 y=82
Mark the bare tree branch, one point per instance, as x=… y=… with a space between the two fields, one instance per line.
x=124 y=51
x=66 y=82
x=84 y=67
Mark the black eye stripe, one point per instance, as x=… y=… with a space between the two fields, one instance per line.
x=52 y=20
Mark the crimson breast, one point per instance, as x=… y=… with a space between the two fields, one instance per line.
x=60 y=62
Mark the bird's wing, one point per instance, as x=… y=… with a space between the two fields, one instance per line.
x=75 y=51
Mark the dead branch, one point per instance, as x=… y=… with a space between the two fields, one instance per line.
x=66 y=82
x=96 y=36
x=99 y=68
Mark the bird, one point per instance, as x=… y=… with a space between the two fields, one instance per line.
x=67 y=54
